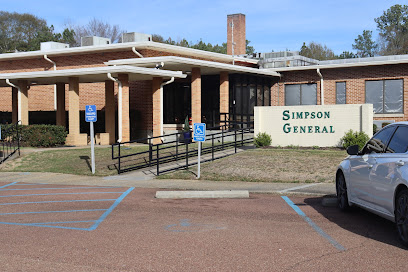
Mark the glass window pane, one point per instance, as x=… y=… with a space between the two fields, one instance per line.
x=292 y=95
x=340 y=92
x=379 y=141
x=259 y=96
x=245 y=99
x=251 y=98
x=238 y=99
x=374 y=95
x=267 y=93
x=309 y=94
x=393 y=96
x=399 y=142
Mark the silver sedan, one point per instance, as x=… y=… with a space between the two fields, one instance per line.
x=376 y=178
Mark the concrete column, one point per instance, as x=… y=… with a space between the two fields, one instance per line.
x=224 y=96
x=157 y=81
x=24 y=101
x=61 y=104
x=74 y=137
x=124 y=78
x=14 y=113
x=110 y=110
x=196 y=95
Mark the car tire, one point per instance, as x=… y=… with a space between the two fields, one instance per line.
x=401 y=216
x=341 y=192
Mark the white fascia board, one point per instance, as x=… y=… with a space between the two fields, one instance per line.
x=93 y=71
x=193 y=62
x=121 y=46
x=341 y=65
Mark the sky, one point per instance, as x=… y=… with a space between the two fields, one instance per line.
x=271 y=25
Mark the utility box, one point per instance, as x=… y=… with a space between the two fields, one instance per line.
x=47 y=46
x=93 y=40
x=136 y=37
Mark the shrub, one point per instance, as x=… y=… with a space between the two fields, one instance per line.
x=354 y=138
x=262 y=139
x=43 y=135
x=39 y=135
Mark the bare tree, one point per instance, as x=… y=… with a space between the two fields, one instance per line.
x=96 y=27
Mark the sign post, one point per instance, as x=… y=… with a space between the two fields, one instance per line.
x=199 y=136
x=91 y=117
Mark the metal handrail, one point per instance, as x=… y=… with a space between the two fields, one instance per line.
x=10 y=142
x=226 y=130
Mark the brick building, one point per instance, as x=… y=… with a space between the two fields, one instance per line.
x=143 y=88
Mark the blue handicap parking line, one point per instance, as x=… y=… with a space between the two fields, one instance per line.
x=313 y=225
x=62 y=194
x=57 y=201
x=95 y=222
x=64 y=188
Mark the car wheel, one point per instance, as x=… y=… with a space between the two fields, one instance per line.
x=341 y=190
x=401 y=216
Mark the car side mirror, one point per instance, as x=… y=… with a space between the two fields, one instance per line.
x=353 y=150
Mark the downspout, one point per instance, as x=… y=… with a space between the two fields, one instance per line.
x=137 y=53
x=119 y=106
x=161 y=104
x=18 y=99
x=55 y=86
x=321 y=87
x=280 y=77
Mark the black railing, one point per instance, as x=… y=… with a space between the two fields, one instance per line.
x=9 y=142
x=175 y=148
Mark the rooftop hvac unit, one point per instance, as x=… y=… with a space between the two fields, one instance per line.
x=136 y=37
x=93 y=40
x=47 y=46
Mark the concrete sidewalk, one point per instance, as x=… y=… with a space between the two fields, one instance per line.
x=141 y=179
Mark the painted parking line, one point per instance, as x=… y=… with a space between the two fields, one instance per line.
x=313 y=225
x=57 y=223
x=64 y=188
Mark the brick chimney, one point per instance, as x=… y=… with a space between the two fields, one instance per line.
x=236 y=22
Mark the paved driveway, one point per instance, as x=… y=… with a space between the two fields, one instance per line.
x=48 y=227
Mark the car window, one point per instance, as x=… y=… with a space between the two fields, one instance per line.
x=379 y=141
x=399 y=142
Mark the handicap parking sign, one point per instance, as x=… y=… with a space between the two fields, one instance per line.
x=199 y=132
x=90 y=113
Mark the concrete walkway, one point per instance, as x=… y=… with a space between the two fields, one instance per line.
x=142 y=179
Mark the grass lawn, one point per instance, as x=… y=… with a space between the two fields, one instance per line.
x=270 y=165
x=68 y=161
x=264 y=165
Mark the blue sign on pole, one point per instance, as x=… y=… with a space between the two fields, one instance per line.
x=199 y=132
x=90 y=113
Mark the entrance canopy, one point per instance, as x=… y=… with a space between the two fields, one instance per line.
x=186 y=65
x=88 y=75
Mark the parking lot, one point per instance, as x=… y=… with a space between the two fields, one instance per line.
x=52 y=227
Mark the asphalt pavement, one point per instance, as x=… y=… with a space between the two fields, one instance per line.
x=144 y=179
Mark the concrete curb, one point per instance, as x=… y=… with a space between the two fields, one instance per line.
x=202 y=194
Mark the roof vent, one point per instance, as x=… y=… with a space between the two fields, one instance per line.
x=136 y=37
x=47 y=46
x=93 y=40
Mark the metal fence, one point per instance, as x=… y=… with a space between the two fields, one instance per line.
x=9 y=142
x=180 y=152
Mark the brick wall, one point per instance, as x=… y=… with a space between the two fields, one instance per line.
x=355 y=79
x=239 y=34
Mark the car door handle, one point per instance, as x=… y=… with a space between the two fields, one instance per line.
x=370 y=166
x=400 y=163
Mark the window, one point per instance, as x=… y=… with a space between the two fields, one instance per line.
x=379 y=141
x=340 y=92
x=399 y=142
x=301 y=94
x=385 y=95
